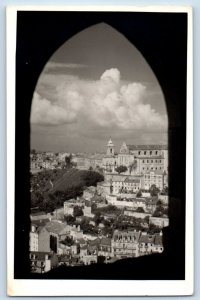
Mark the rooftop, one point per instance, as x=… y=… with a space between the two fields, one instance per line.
x=158 y=240
x=156 y=172
x=132 y=180
x=105 y=241
x=147 y=147
x=40 y=256
x=147 y=238
x=55 y=226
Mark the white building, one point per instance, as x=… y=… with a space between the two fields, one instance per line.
x=33 y=239
x=157 y=178
x=87 y=212
x=89 y=192
x=132 y=203
x=68 y=209
x=136 y=214
x=147 y=157
x=125 y=244
x=159 y=221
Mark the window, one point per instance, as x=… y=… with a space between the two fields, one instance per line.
x=147 y=160
x=152 y=161
x=156 y=152
x=139 y=152
x=150 y=152
x=143 y=161
x=144 y=152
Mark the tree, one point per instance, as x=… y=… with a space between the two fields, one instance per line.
x=160 y=210
x=140 y=209
x=77 y=211
x=139 y=194
x=154 y=190
x=153 y=229
x=159 y=202
x=91 y=178
x=98 y=218
x=146 y=219
x=101 y=259
x=68 y=241
x=165 y=190
x=69 y=219
x=121 y=169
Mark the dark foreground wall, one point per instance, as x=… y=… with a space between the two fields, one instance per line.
x=162 y=39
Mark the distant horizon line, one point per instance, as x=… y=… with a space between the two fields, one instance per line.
x=94 y=152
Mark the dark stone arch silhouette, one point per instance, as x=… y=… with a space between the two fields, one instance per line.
x=162 y=40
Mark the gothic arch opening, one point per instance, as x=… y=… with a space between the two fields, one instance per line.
x=97 y=84
x=117 y=85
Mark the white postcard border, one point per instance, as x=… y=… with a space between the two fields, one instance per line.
x=27 y=287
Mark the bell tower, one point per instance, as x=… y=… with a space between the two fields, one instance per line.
x=110 y=148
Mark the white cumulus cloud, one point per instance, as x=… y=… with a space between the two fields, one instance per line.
x=107 y=103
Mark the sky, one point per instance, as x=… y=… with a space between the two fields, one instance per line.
x=97 y=85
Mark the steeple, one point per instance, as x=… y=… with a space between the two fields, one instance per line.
x=110 y=148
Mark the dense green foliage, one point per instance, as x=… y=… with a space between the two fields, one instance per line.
x=154 y=190
x=121 y=169
x=49 y=189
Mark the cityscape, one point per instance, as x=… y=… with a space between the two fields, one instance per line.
x=99 y=155
x=97 y=208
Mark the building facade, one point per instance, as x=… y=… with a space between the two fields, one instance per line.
x=124 y=244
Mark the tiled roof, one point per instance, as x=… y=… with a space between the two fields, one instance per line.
x=158 y=240
x=40 y=222
x=132 y=180
x=97 y=156
x=139 y=200
x=63 y=258
x=151 y=201
x=90 y=189
x=105 y=241
x=150 y=156
x=118 y=178
x=129 y=233
x=39 y=213
x=81 y=241
x=40 y=256
x=147 y=147
x=55 y=227
x=94 y=242
x=146 y=238
x=40 y=228
x=156 y=172
x=84 y=247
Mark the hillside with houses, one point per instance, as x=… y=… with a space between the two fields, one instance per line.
x=97 y=215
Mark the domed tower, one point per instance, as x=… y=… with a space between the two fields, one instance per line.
x=110 y=148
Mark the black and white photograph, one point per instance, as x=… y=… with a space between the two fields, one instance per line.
x=102 y=151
